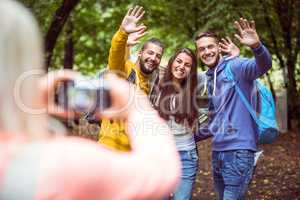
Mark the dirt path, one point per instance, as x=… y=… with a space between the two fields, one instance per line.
x=277 y=175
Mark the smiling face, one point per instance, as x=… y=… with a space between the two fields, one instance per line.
x=181 y=67
x=179 y=81
x=150 y=57
x=208 y=51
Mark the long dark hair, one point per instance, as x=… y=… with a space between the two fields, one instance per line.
x=185 y=99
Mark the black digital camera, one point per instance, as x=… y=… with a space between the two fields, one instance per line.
x=84 y=95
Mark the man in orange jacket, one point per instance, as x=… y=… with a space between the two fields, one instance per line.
x=112 y=133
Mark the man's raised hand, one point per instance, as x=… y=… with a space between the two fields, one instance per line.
x=228 y=47
x=131 y=19
x=247 y=33
x=133 y=38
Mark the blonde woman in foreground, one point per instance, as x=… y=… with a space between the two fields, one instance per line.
x=36 y=166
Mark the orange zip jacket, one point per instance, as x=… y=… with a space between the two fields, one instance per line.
x=112 y=133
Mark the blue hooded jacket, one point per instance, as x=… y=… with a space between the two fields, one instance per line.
x=230 y=122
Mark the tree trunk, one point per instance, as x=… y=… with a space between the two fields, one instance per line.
x=292 y=91
x=69 y=45
x=274 y=41
x=286 y=14
x=271 y=85
x=59 y=19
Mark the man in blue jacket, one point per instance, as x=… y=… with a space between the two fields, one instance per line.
x=234 y=132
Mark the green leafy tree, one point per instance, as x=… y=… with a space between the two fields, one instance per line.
x=84 y=46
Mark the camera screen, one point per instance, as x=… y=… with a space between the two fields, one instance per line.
x=84 y=95
x=82 y=100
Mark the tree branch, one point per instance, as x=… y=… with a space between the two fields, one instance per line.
x=69 y=45
x=282 y=9
x=297 y=44
x=273 y=39
x=60 y=18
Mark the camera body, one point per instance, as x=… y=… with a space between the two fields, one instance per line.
x=84 y=95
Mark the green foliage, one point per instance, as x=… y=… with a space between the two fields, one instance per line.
x=175 y=22
x=43 y=11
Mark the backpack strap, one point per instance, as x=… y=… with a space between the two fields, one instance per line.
x=153 y=93
x=20 y=178
x=202 y=80
x=230 y=76
x=132 y=76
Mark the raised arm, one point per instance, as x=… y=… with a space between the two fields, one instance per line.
x=91 y=171
x=251 y=68
x=129 y=25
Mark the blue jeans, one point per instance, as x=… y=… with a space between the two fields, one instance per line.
x=189 y=165
x=232 y=173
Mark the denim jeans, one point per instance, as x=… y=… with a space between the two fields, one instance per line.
x=232 y=173
x=189 y=165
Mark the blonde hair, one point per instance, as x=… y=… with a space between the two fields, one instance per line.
x=20 y=52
